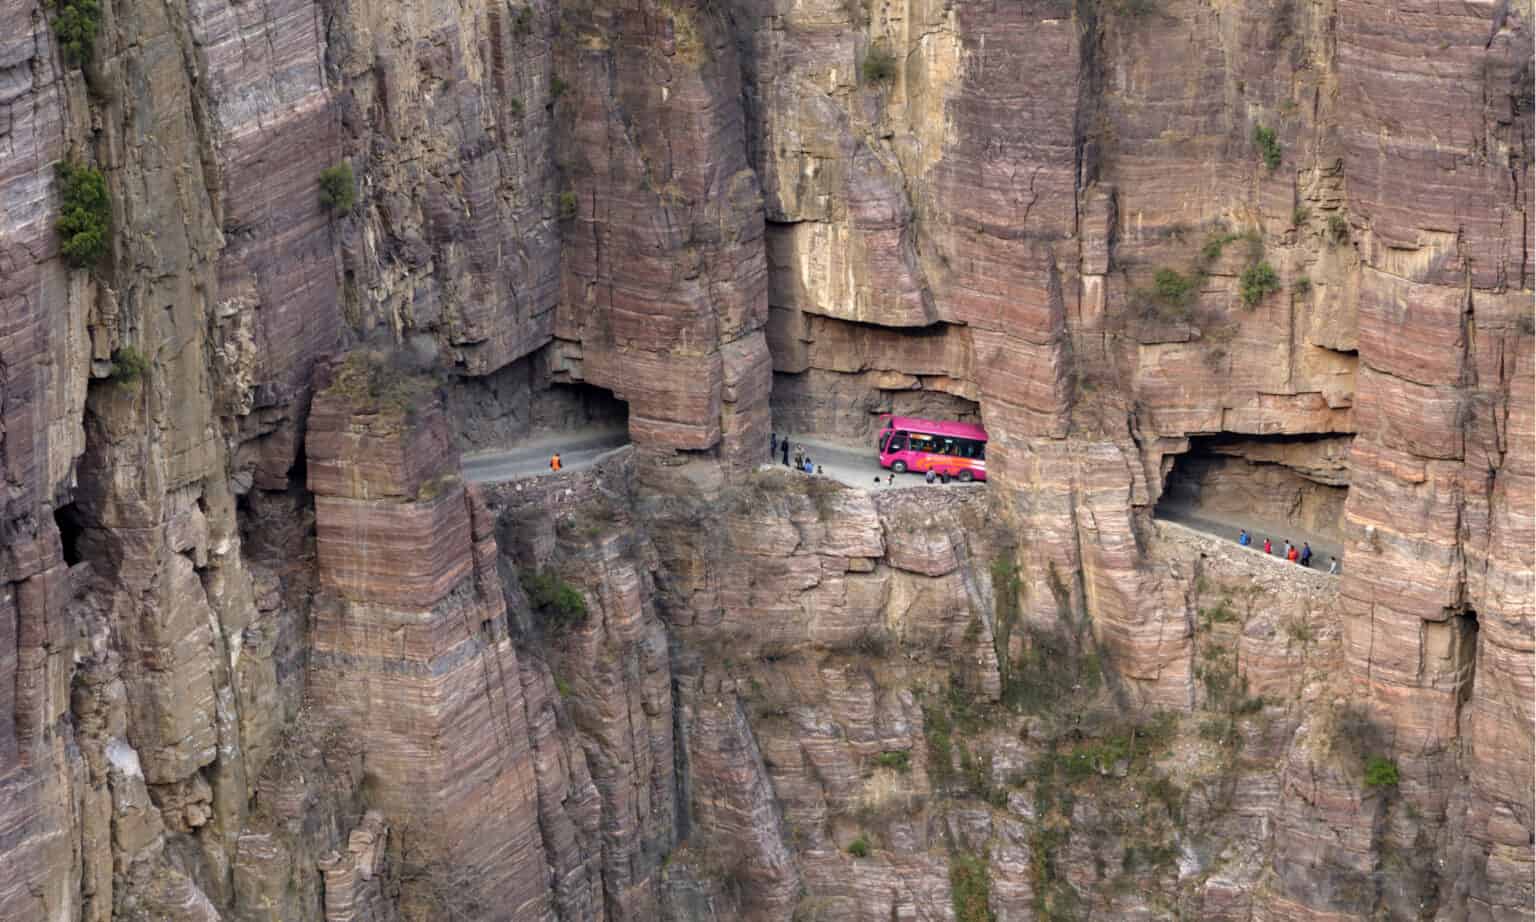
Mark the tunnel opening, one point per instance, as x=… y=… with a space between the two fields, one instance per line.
x=529 y=399
x=566 y=406
x=71 y=533
x=848 y=407
x=1285 y=487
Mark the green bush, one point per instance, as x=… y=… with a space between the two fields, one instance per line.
x=515 y=106
x=1269 y=146
x=561 y=604
x=85 y=214
x=1338 y=227
x=1258 y=281
x=568 y=203
x=879 y=65
x=76 y=23
x=1212 y=249
x=1380 y=772
x=859 y=848
x=1300 y=214
x=896 y=759
x=1302 y=286
x=557 y=88
x=1173 y=287
x=970 y=888
x=338 y=188
x=128 y=365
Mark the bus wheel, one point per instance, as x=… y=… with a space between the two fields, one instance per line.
x=966 y=476
x=899 y=467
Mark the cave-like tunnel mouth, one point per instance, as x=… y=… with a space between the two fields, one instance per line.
x=1284 y=488
x=583 y=410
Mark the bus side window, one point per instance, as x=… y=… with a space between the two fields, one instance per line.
x=898 y=442
x=981 y=451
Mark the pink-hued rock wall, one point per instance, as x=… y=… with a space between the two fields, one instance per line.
x=264 y=656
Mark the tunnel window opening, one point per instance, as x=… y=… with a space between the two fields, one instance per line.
x=1290 y=487
x=577 y=405
x=1466 y=653
x=844 y=407
x=67 y=518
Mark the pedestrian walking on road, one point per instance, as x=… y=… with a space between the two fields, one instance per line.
x=1306 y=554
x=1291 y=553
x=1268 y=548
x=773 y=444
x=1333 y=566
x=1243 y=539
x=890 y=479
x=809 y=467
x=554 y=462
x=818 y=470
x=784 y=450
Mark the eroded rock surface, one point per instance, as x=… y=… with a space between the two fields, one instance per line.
x=263 y=656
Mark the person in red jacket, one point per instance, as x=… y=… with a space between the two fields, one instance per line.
x=1268 y=548
x=1292 y=555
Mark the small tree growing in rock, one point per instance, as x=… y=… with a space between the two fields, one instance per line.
x=85 y=214
x=75 y=23
x=338 y=188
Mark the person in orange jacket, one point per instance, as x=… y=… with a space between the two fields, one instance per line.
x=554 y=462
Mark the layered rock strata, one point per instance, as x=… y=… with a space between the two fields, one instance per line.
x=410 y=653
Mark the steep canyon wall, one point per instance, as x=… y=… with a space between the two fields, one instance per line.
x=264 y=656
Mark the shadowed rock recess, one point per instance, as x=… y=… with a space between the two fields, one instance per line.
x=265 y=656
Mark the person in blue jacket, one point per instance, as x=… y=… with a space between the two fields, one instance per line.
x=1243 y=539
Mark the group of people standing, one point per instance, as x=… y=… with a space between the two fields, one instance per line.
x=1301 y=555
x=780 y=447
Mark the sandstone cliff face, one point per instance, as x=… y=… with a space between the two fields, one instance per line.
x=263 y=656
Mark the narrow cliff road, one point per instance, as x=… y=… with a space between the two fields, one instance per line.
x=855 y=464
x=1226 y=526
x=578 y=448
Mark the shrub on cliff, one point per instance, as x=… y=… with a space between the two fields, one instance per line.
x=879 y=65
x=1338 y=228
x=859 y=848
x=1257 y=282
x=128 y=365
x=568 y=203
x=338 y=188
x=970 y=887
x=1380 y=772
x=1269 y=145
x=1173 y=287
x=560 y=603
x=75 y=23
x=85 y=214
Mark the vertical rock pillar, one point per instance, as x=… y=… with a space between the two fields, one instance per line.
x=410 y=648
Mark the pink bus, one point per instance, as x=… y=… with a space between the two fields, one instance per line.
x=948 y=449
